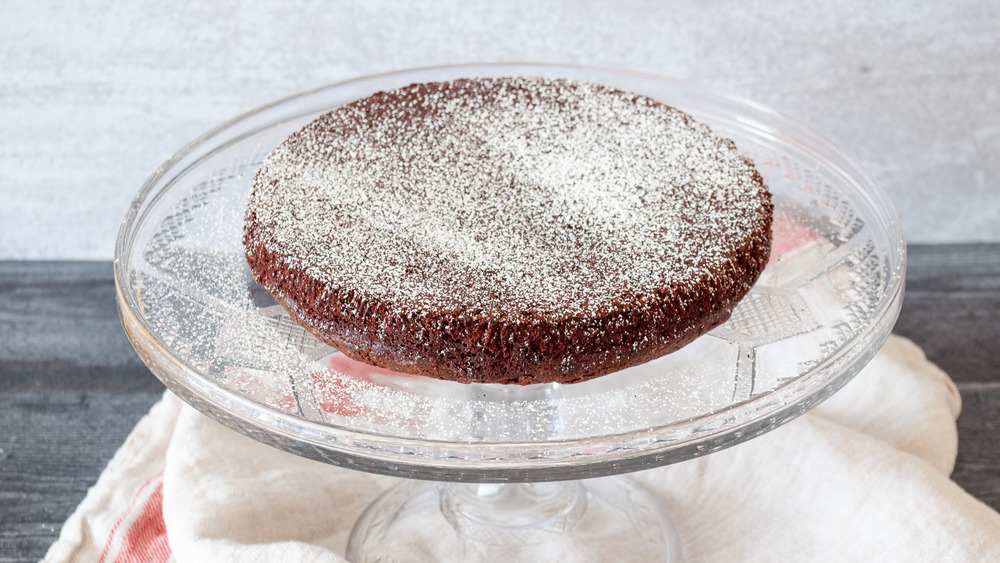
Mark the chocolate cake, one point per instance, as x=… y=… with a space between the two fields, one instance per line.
x=507 y=230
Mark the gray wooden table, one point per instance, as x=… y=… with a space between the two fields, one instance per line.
x=71 y=388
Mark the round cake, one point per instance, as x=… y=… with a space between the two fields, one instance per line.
x=507 y=230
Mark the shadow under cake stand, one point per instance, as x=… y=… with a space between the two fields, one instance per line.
x=497 y=471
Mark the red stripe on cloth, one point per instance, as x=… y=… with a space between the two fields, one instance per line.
x=114 y=529
x=145 y=540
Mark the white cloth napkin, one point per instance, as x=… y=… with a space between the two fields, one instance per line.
x=863 y=477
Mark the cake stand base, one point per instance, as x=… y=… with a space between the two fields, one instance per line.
x=606 y=519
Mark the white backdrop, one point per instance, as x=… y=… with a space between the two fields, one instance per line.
x=94 y=97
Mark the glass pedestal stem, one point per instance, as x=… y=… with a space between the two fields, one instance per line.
x=606 y=519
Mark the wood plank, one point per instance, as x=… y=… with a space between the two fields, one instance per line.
x=61 y=331
x=977 y=469
x=53 y=447
x=71 y=389
x=951 y=308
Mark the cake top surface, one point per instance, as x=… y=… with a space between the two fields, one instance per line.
x=505 y=195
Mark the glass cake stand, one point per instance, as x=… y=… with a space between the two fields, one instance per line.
x=506 y=472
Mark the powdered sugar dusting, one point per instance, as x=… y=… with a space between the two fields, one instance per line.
x=507 y=194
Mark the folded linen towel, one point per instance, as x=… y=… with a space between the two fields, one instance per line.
x=862 y=477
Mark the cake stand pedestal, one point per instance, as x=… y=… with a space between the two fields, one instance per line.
x=560 y=521
x=497 y=469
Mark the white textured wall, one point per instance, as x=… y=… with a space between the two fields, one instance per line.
x=94 y=96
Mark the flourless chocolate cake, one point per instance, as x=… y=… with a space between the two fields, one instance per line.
x=507 y=230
